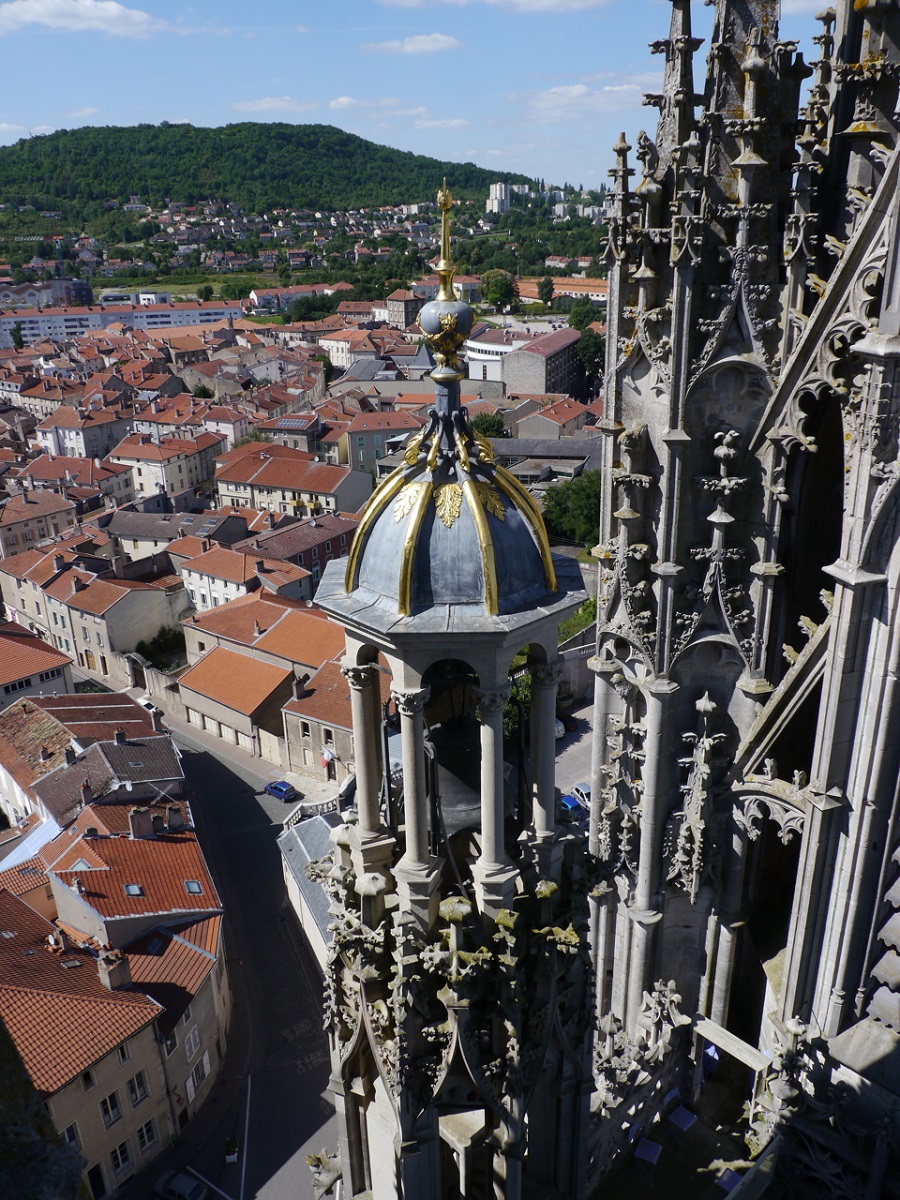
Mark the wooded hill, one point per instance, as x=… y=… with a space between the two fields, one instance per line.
x=256 y=165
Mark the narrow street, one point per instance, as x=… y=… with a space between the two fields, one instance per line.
x=277 y=1055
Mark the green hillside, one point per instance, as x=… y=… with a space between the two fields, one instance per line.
x=255 y=165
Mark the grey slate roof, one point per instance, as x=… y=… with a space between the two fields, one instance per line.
x=302 y=844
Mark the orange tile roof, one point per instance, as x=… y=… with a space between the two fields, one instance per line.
x=327 y=697
x=303 y=637
x=28 y=505
x=234 y=567
x=25 y=734
x=235 y=680
x=140 y=446
x=159 y=866
x=171 y=964
x=23 y=654
x=24 y=878
x=62 y=1019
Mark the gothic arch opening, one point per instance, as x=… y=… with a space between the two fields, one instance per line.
x=811 y=533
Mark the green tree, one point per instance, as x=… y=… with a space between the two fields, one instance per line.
x=489 y=425
x=203 y=392
x=204 y=291
x=572 y=509
x=253 y=436
x=591 y=350
x=15 y=333
x=497 y=288
x=582 y=313
x=545 y=290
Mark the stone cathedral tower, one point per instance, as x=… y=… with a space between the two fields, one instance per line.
x=747 y=720
x=458 y=994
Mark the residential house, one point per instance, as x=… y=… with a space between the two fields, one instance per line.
x=288 y=481
x=29 y=666
x=72 y=476
x=561 y=419
x=31 y=517
x=310 y=543
x=139 y=535
x=318 y=737
x=218 y=575
x=168 y=466
x=369 y=433
x=83 y=432
x=239 y=699
x=403 y=307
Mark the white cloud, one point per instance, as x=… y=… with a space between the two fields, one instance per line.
x=82 y=112
x=275 y=104
x=301 y=29
x=391 y=102
x=523 y=6
x=417 y=43
x=6 y=127
x=573 y=101
x=77 y=16
x=446 y=123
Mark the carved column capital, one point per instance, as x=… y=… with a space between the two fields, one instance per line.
x=359 y=677
x=546 y=674
x=491 y=700
x=410 y=703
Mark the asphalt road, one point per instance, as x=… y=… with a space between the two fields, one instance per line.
x=273 y=973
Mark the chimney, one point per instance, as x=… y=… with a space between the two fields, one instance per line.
x=77 y=886
x=58 y=562
x=156 y=718
x=159 y=823
x=119 y=735
x=45 y=753
x=58 y=942
x=140 y=821
x=70 y=756
x=78 y=585
x=299 y=687
x=113 y=968
x=257 y=629
x=174 y=818
x=259 y=566
x=86 y=794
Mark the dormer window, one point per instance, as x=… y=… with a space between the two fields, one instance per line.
x=133 y=889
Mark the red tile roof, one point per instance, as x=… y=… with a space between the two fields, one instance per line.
x=235 y=680
x=327 y=697
x=23 y=654
x=159 y=866
x=61 y=1018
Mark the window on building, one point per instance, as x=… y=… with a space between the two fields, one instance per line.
x=327 y=736
x=88 y=1081
x=18 y=686
x=199 y=1073
x=187 y=1015
x=193 y=887
x=170 y=1042
x=304 y=729
x=124 y=1052
x=192 y=1043
x=70 y=1133
x=120 y=1157
x=110 y=1110
x=147 y=1136
x=133 y=889
x=137 y=1089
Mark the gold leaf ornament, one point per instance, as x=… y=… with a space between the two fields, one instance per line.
x=405 y=501
x=448 y=502
x=490 y=500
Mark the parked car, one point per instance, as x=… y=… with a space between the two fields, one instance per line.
x=282 y=790
x=175 y=1185
x=569 y=723
x=582 y=793
x=573 y=808
x=560 y=729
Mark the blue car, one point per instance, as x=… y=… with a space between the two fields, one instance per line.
x=281 y=790
x=569 y=806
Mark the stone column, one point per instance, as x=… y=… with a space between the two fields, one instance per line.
x=544 y=678
x=719 y=971
x=410 y=706
x=660 y=695
x=417 y=873
x=494 y=875
x=365 y=741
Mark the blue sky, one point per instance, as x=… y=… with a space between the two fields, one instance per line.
x=537 y=86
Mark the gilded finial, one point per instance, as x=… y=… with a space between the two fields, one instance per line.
x=445 y=268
